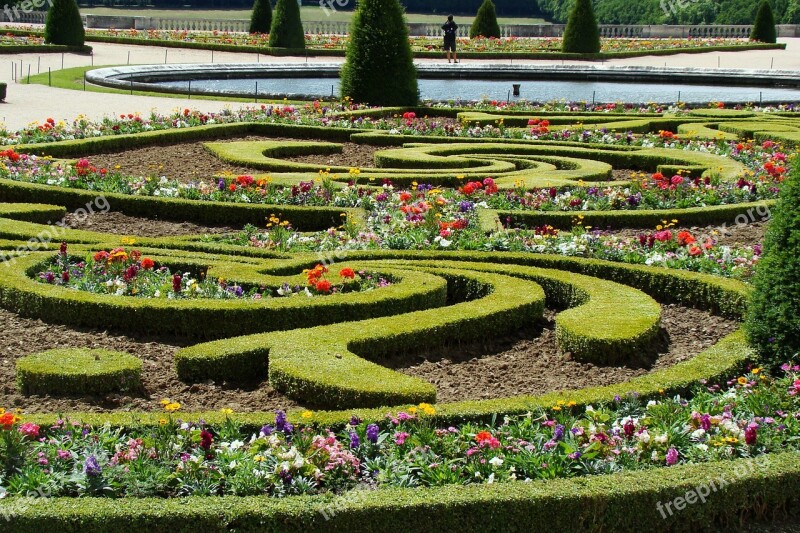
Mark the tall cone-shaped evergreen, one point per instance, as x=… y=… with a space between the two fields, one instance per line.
x=485 y=23
x=287 y=28
x=63 y=24
x=764 y=25
x=261 y=18
x=773 y=316
x=379 y=68
x=582 y=35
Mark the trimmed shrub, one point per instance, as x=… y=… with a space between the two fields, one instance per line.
x=63 y=24
x=764 y=25
x=287 y=28
x=261 y=18
x=379 y=67
x=485 y=23
x=582 y=35
x=773 y=318
x=78 y=371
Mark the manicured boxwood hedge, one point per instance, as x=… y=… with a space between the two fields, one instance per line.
x=754 y=488
x=76 y=371
x=37 y=213
x=193 y=318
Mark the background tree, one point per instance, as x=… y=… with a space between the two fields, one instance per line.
x=287 y=28
x=485 y=23
x=379 y=67
x=261 y=19
x=773 y=316
x=63 y=24
x=764 y=25
x=582 y=35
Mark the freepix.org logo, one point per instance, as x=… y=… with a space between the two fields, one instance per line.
x=15 y=12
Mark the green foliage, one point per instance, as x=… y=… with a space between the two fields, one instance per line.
x=379 y=67
x=582 y=34
x=39 y=213
x=78 y=371
x=764 y=25
x=616 y=502
x=485 y=23
x=773 y=318
x=287 y=28
x=261 y=18
x=63 y=24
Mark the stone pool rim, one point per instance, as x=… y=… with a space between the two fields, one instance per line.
x=144 y=77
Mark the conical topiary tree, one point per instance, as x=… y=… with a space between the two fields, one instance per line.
x=485 y=23
x=261 y=18
x=764 y=25
x=63 y=24
x=773 y=316
x=287 y=28
x=582 y=35
x=379 y=68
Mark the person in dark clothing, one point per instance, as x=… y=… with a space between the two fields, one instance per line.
x=450 y=29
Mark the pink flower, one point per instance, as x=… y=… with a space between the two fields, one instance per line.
x=29 y=429
x=672 y=456
x=400 y=438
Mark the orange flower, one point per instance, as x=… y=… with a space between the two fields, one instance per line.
x=118 y=254
x=323 y=285
x=147 y=263
x=347 y=273
x=685 y=238
x=7 y=420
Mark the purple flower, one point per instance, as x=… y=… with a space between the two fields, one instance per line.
x=558 y=432
x=354 y=421
x=355 y=442
x=91 y=467
x=672 y=456
x=281 y=424
x=221 y=184
x=266 y=430
x=238 y=291
x=705 y=422
x=372 y=433
x=575 y=455
x=286 y=476
x=466 y=206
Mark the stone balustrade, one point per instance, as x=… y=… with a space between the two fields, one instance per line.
x=416 y=29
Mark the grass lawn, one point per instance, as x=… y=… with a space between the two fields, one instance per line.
x=308 y=13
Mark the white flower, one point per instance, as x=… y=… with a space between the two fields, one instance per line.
x=235 y=445
x=651 y=403
x=661 y=439
x=698 y=434
x=495 y=461
x=491 y=479
x=654 y=456
x=644 y=437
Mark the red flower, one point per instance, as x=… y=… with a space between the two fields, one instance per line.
x=176 y=283
x=695 y=250
x=685 y=238
x=324 y=285
x=206 y=439
x=65 y=276
x=147 y=263
x=347 y=273
x=101 y=256
x=751 y=434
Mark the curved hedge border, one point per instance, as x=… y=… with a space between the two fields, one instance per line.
x=191 y=318
x=36 y=213
x=75 y=371
x=617 y=502
x=319 y=365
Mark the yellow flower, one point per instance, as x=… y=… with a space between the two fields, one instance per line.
x=572 y=403
x=742 y=380
x=166 y=401
x=258 y=458
x=225 y=411
x=128 y=240
x=412 y=410
x=307 y=414
x=172 y=407
x=162 y=421
x=556 y=408
x=756 y=370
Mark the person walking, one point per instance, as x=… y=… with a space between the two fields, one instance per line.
x=450 y=28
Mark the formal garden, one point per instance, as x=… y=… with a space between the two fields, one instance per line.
x=370 y=313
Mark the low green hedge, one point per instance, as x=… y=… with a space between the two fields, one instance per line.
x=266 y=155
x=37 y=213
x=762 y=488
x=192 y=318
x=731 y=214
x=44 y=49
x=76 y=371
x=321 y=366
x=202 y=212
